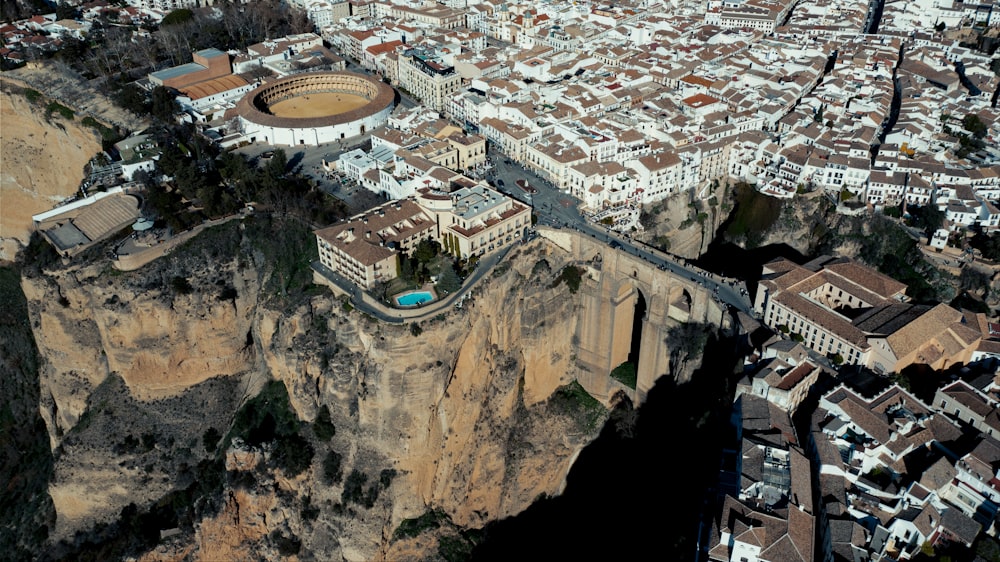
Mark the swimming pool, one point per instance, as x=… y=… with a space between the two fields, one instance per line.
x=414 y=298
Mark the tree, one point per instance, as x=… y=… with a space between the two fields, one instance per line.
x=323 y=427
x=426 y=250
x=210 y=439
x=163 y=106
x=332 y=471
x=927 y=218
x=65 y=11
x=974 y=125
x=448 y=282
x=132 y=98
x=686 y=341
x=175 y=17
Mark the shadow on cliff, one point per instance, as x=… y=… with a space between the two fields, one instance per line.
x=26 y=509
x=637 y=491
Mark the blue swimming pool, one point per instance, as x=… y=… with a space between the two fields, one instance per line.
x=415 y=298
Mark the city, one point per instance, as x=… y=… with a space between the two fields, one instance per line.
x=417 y=147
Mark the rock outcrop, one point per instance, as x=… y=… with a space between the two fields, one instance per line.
x=452 y=414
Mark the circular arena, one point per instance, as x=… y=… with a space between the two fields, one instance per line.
x=315 y=108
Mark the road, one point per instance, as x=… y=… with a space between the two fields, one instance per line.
x=555 y=208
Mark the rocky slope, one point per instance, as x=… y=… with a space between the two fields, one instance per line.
x=41 y=163
x=685 y=227
x=458 y=415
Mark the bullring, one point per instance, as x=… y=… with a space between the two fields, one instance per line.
x=315 y=108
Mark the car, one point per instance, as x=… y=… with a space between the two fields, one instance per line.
x=614 y=245
x=499 y=183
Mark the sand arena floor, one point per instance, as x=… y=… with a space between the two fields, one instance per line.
x=318 y=105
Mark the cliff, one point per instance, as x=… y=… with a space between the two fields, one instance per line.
x=457 y=415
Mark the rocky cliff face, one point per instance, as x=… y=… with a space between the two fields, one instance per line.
x=454 y=415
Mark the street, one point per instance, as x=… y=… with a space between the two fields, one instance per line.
x=557 y=209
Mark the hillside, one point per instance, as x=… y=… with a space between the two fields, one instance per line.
x=41 y=163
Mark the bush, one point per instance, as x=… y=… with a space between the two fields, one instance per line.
x=354 y=488
x=625 y=374
x=33 y=96
x=332 y=472
x=292 y=454
x=287 y=546
x=572 y=276
x=409 y=528
x=323 y=427
x=62 y=110
x=181 y=285
x=210 y=439
x=572 y=400
x=415 y=329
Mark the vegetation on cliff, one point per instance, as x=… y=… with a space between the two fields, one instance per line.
x=753 y=214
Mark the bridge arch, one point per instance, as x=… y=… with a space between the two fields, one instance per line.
x=627 y=306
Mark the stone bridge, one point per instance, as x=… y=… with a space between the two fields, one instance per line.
x=615 y=285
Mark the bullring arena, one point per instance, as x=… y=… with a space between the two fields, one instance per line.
x=315 y=108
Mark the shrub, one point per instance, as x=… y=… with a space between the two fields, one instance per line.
x=415 y=329
x=181 y=285
x=62 y=110
x=33 y=96
x=332 y=472
x=625 y=374
x=354 y=488
x=309 y=512
x=292 y=454
x=386 y=477
x=287 y=546
x=572 y=400
x=454 y=548
x=572 y=276
x=409 y=528
x=210 y=439
x=323 y=427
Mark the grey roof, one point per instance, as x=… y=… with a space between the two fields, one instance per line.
x=67 y=236
x=175 y=71
x=210 y=52
x=961 y=525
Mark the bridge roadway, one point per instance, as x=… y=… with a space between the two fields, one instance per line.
x=559 y=210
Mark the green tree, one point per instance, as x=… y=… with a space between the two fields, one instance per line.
x=163 y=106
x=448 y=282
x=210 y=439
x=177 y=16
x=426 y=250
x=292 y=454
x=974 y=125
x=927 y=218
x=685 y=342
